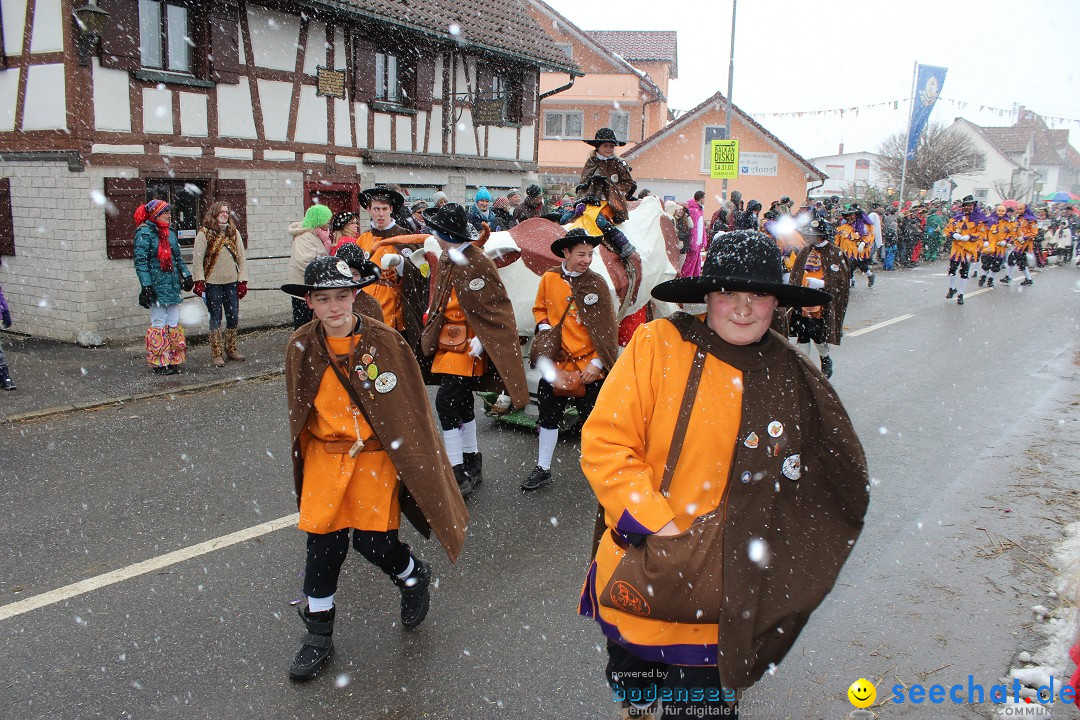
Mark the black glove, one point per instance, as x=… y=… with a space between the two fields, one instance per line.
x=187 y=282
x=147 y=296
x=7 y=318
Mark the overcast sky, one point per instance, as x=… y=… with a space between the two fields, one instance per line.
x=793 y=56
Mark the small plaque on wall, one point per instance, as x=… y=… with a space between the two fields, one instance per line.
x=487 y=112
x=331 y=82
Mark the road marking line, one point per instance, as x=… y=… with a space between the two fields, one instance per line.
x=878 y=326
x=146 y=566
x=978 y=292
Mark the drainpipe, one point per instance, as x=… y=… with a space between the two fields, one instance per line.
x=644 y=105
x=558 y=90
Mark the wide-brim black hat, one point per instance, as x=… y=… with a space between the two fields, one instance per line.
x=817 y=228
x=450 y=222
x=323 y=273
x=357 y=260
x=741 y=261
x=381 y=192
x=576 y=236
x=605 y=135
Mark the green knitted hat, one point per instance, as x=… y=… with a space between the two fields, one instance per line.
x=317 y=216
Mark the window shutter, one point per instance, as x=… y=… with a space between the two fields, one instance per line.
x=234 y=192
x=224 y=43
x=483 y=81
x=529 y=81
x=123 y=196
x=7 y=224
x=120 y=39
x=363 y=71
x=425 y=80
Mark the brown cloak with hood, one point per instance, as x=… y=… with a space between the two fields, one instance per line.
x=414 y=286
x=834 y=268
x=490 y=314
x=598 y=318
x=400 y=417
x=620 y=186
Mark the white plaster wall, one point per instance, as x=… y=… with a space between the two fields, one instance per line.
x=437 y=88
x=14 y=18
x=275 y=98
x=193 y=122
x=315 y=53
x=382 y=132
x=46 y=105
x=463 y=132
x=235 y=115
x=404 y=133
x=157 y=111
x=342 y=127
x=110 y=89
x=274 y=36
x=47 y=34
x=361 y=115
x=9 y=88
x=434 y=135
x=502 y=142
x=311 y=125
x=528 y=138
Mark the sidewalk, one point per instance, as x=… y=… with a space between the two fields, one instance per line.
x=57 y=377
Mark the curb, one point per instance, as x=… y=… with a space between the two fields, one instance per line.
x=96 y=404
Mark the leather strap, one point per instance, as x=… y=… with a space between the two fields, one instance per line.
x=692 y=383
x=342 y=376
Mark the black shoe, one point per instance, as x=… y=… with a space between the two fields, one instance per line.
x=166 y=370
x=464 y=482
x=474 y=467
x=826 y=366
x=870 y=281
x=415 y=597
x=5 y=379
x=318 y=645
x=538 y=478
x=1028 y=281
x=951 y=294
x=1005 y=280
x=990 y=283
x=960 y=299
x=982 y=281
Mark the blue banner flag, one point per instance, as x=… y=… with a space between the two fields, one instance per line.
x=928 y=84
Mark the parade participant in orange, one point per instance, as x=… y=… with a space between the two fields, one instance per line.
x=1001 y=230
x=1027 y=229
x=967 y=230
x=605 y=163
x=577 y=332
x=471 y=335
x=364 y=450
x=732 y=488
x=820 y=265
x=855 y=236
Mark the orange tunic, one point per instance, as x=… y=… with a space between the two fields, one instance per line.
x=965 y=250
x=1027 y=230
x=388 y=290
x=341 y=491
x=552 y=298
x=998 y=237
x=813 y=269
x=455 y=363
x=848 y=240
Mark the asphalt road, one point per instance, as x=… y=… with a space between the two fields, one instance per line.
x=949 y=403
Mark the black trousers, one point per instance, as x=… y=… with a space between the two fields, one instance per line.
x=1018 y=259
x=326 y=553
x=552 y=407
x=964 y=268
x=991 y=263
x=454 y=401
x=804 y=329
x=859 y=264
x=301 y=313
x=685 y=691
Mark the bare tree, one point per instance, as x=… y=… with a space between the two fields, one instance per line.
x=939 y=154
x=1016 y=188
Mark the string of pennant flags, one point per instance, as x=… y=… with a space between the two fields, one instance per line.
x=896 y=104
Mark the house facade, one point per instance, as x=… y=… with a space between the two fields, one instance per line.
x=1008 y=173
x=268 y=105
x=849 y=175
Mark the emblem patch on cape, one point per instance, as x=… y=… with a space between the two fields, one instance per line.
x=367 y=359
x=745 y=477
x=406 y=252
x=792 y=467
x=614 y=178
x=776 y=428
x=591 y=299
x=372 y=371
x=751 y=440
x=477 y=284
x=627 y=598
x=343 y=268
x=386 y=382
x=834 y=267
x=425 y=270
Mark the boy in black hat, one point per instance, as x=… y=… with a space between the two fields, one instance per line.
x=605 y=163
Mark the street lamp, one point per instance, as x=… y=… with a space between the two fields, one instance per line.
x=89 y=24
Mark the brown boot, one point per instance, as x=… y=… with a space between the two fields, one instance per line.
x=217 y=349
x=230 y=346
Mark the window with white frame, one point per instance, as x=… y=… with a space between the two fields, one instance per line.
x=862 y=169
x=620 y=122
x=387 y=82
x=165 y=35
x=835 y=172
x=564 y=124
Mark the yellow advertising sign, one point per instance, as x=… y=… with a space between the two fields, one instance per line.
x=724 y=160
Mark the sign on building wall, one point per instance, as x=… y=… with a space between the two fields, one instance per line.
x=758 y=164
x=331 y=82
x=724 y=159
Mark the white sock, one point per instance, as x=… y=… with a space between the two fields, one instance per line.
x=407 y=571
x=822 y=349
x=315 y=604
x=961 y=285
x=548 y=439
x=452 y=440
x=468 y=437
x=1027 y=273
x=952 y=282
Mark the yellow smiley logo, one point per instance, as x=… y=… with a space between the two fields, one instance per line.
x=862 y=693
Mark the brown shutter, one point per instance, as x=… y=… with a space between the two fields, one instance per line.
x=483 y=81
x=120 y=39
x=7 y=224
x=529 y=81
x=224 y=42
x=363 y=70
x=123 y=196
x=234 y=192
x=425 y=79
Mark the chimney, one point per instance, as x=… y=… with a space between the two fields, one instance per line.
x=841 y=149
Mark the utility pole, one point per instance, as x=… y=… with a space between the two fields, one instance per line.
x=730 y=82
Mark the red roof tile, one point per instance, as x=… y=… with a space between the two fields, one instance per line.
x=641 y=45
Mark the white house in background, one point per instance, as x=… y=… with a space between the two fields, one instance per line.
x=1050 y=155
x=845 y=170
x=268 y=104
x=1008 y=165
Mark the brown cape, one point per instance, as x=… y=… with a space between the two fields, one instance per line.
x=622 y=183
x=368 y=306
x=599 y=317
x=836 y=284
x=400 y=417
x=490 y=314
x=414 y=286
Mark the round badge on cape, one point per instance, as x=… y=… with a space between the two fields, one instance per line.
x=792 y=467
x=477 y=284
x=425 y=270
x=591 y=299
x=614 y=178
x=406 y=252
x=745 y=476
x=343 y=268
x=834 y=267
x=776 y=428
x=386 y=382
